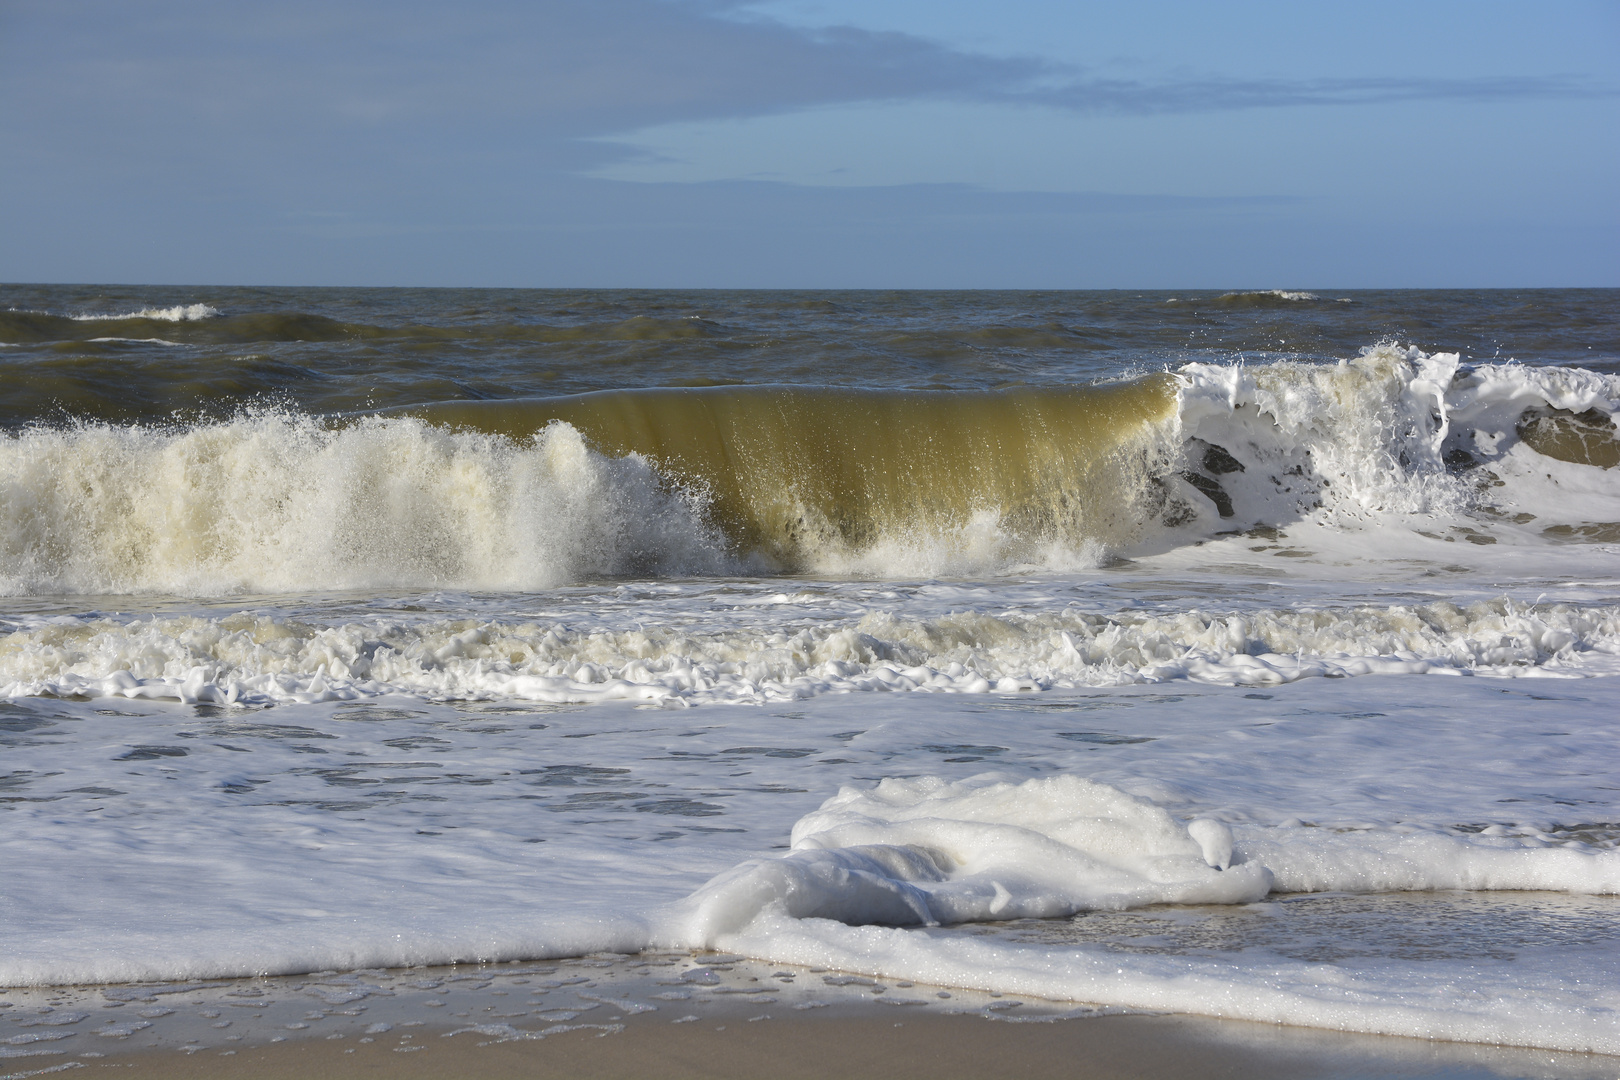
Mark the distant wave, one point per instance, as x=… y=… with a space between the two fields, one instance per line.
x=1280 y=294
x=1264 y=298
x=178 y=313
x=1259 y=298
x=201 y=323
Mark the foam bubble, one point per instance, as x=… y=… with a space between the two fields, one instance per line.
x=930 y=851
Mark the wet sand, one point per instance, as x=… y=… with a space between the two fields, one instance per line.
x=925 y=1048
x=676 y=1015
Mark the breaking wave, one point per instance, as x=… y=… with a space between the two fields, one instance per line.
x=277 y=503
x=530 y=494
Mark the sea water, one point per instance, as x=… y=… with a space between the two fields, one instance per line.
x=363 y=628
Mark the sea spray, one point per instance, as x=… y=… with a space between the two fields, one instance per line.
x=272 y=502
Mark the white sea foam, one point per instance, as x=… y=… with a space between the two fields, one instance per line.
x=177 y=313
x=927 y=850
x=1354 y=468
x=931 y=851
x=257 y=659
x=273 y=503
x=1561 y=1002
x=294 y=860
x=1358 y=439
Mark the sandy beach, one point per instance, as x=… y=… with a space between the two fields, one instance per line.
x=857 y=1042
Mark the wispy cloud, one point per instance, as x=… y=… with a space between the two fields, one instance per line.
x=568 y=68
x=1217 y=94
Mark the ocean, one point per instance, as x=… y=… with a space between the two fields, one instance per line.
x=1235 y=653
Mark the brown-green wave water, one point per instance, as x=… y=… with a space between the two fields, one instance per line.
x=786 y=469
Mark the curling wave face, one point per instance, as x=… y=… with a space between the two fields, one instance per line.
x=653 y=483
x=838 y=481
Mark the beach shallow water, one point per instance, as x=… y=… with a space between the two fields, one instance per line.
x=688 y=1014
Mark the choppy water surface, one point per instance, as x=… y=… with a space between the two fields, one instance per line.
x=1203 y=636
x=142 y=353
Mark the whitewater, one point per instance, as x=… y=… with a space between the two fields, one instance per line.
x=350 y=637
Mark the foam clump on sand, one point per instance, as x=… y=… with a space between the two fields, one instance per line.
x=927 y=851
x=930 y=851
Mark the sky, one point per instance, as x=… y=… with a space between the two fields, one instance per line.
x=811 y=143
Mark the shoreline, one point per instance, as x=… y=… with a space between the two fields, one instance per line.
x=678 y=1015
x=857 y=1038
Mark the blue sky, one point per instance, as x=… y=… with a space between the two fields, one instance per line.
x=802 y=143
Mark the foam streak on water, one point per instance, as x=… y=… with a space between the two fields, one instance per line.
x=263 y=660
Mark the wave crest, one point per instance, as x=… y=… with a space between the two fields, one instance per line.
x=275 y=503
